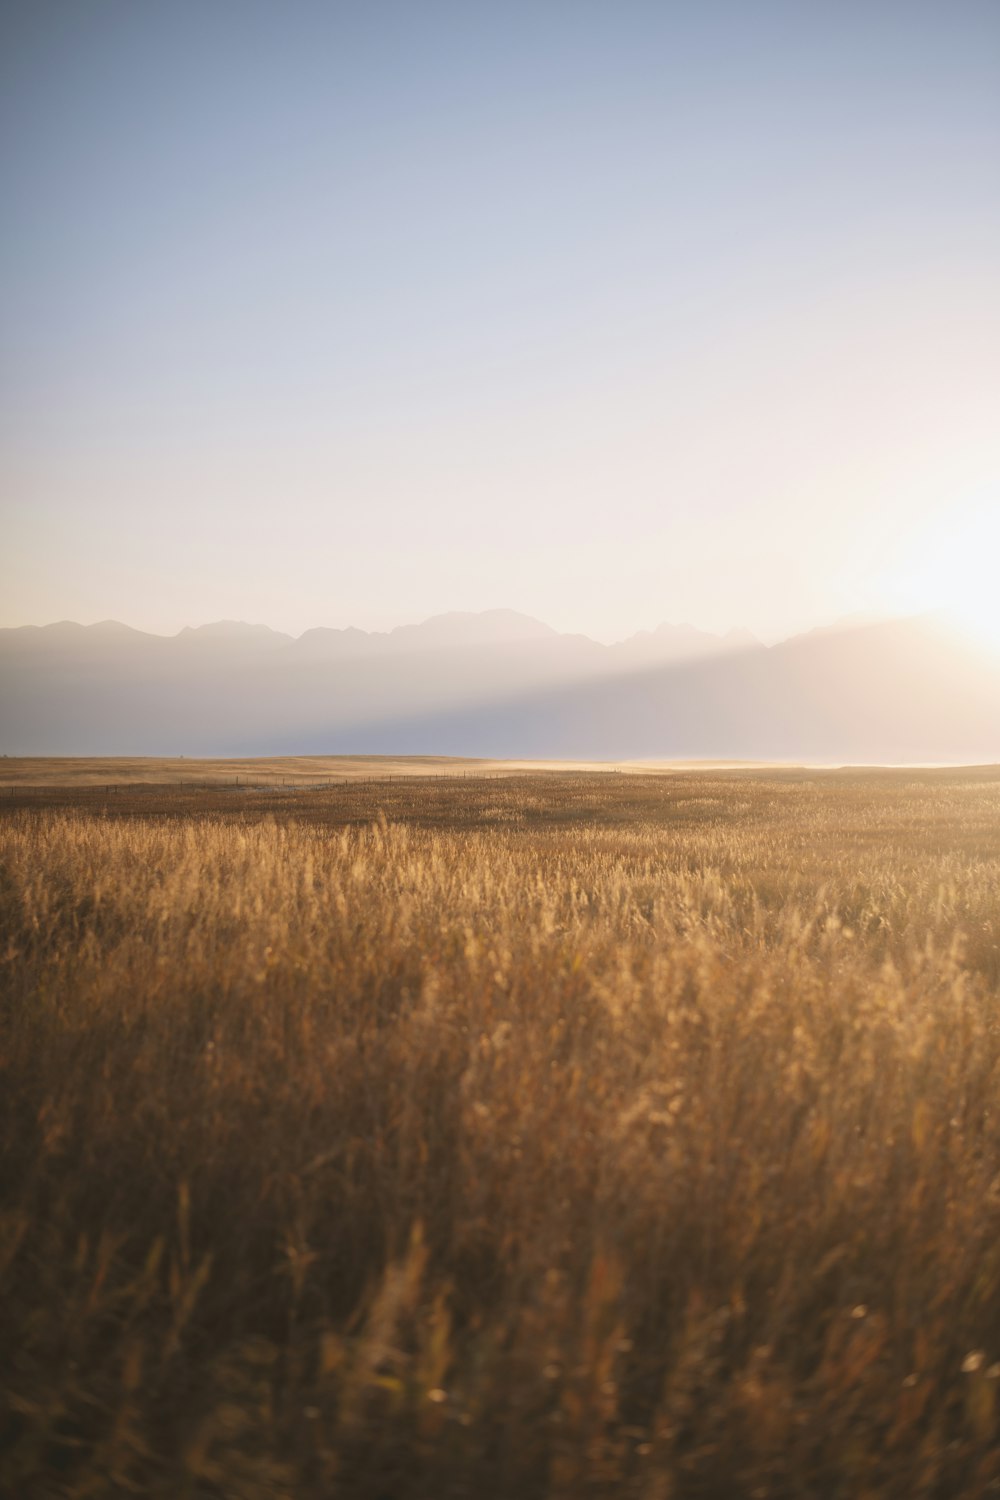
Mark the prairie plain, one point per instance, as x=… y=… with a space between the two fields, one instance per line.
x=553 y=1135
x=303 y=771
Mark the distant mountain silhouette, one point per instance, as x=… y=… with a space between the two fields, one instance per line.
x=678 y=643
x=234 y=634
x=501 y=683
x=491 y=627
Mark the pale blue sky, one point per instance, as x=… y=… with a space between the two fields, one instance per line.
x=613 y=313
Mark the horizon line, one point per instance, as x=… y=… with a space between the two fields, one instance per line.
x=856 y=620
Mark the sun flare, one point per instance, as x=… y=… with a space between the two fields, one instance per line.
x=954 y=569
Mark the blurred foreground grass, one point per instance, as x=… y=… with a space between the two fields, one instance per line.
x=545 y=1137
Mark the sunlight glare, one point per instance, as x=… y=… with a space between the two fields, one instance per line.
x=954 y=568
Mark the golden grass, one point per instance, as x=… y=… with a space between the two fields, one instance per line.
x=536 y=1138
x=123 y=771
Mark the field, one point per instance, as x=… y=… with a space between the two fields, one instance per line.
x=304 y=772
x=558 y=1135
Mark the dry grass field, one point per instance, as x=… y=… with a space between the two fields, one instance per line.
x=104 y=773
x=23 y=771
x=554 y=1136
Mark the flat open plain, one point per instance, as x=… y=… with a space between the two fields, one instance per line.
x=548 y=1134
x=292 y=770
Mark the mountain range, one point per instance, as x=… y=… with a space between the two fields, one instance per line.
x=499 y=683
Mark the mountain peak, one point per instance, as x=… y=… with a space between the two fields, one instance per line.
x=227 y=628
x=488 y=627
x=233 y=632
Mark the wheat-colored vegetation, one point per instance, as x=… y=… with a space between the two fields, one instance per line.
x=535 y=1138
x=24 y=772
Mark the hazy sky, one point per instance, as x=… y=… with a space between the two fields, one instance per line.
x=614 y=312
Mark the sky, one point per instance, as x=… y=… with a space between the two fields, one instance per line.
x=613 y=313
